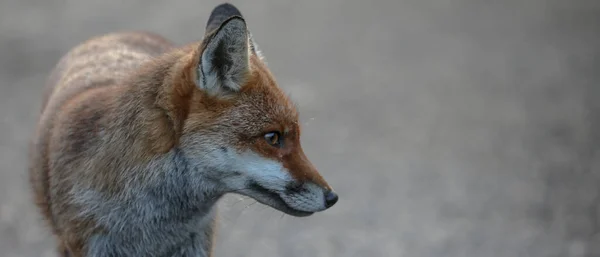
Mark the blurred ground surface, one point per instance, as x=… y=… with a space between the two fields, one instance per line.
x=449 y=128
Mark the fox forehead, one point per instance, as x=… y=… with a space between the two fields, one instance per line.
x=264 y=93
x=264 y=101
x=268 y=109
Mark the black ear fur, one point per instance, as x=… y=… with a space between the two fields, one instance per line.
x=221 y=13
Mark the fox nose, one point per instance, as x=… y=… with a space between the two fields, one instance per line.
x=330 y=198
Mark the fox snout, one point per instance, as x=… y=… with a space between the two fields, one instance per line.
x=299 y=199
x=289 y=183
x=329 y=195
x=307 y=178
x=330 y=198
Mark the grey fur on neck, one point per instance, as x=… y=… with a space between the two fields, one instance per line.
x=172 y=216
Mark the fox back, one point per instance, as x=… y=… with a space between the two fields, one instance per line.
x=139 y=138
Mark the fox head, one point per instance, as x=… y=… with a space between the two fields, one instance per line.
x=241 y=132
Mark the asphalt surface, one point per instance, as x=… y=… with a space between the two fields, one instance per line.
x=448 y=128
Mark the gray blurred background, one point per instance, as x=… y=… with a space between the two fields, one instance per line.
x=448 y=127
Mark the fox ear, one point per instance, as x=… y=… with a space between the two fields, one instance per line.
x=224 y=62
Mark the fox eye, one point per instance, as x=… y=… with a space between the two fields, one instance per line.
x=273 y=138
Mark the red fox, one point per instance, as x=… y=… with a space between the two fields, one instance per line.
x=138 y=139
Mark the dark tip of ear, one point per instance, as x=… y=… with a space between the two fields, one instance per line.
x=221 y=13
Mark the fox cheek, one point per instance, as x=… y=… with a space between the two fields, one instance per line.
x=244 y=166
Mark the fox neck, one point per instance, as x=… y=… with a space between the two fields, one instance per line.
x=176 y=208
